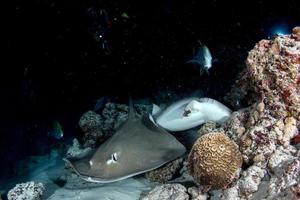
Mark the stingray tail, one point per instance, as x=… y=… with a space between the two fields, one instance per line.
x=193 y=61
x=131 y=110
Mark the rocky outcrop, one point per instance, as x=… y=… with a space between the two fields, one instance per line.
x=26 y=191
x=76 y=150
x=167 y=192
x=91 y=124
x=263 y=131
x=97 y=127
x=165 y=173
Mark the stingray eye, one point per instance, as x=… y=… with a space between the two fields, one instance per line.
x=114 y=157
x=187 y=112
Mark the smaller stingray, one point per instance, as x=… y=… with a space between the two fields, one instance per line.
x=137 y=147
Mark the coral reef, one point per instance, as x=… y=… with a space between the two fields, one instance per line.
x=76 y=150
x=167 y=192
x=91 y=123
x=214 y=160
x=273 y=75
x=176 y=191
x=286 y=177
x=250 y=180
x=166 y=172
x=280 y=180
x=26 y=191
x=196 y=193
x=115 y=114
x=207 y=127
x=98 y=127
x=296 y=33
x=263 y=131
x=184 y=175
x=230 y=194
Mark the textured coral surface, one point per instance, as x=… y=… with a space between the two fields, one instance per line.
x=273 y=67
x=168 y=192
x=90 y=123
x=265 y=131
x=214 y=160
x=166 y=172
x=26 y=191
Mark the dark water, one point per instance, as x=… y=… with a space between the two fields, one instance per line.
x=67 y=54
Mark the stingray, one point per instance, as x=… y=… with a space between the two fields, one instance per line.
x=137 y=147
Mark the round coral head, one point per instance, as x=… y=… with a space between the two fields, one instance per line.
x=214 y=160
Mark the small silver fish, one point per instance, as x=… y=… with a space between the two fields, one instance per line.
x=202 y=58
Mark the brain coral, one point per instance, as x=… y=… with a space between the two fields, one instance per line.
x=214 y=160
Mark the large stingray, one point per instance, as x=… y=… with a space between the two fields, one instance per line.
x=137 y=147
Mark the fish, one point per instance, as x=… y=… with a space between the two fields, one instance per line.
x=191 y=112
x=57 y=131
x=137 y=147
x=125 y=15
x=202 y=58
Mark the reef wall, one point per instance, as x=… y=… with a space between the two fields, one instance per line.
x=266 y=132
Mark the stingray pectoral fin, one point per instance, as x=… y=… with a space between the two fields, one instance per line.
x=182 y=124
x=82 y=169
x=152 y=120
x=155 y=109
x=81 y=166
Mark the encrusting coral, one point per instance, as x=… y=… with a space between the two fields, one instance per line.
x=98 y=127
x=273 y=74
x=114 y=115
x=167 y=192
x=76 y=150
x=166 y=172
x=91 y=125
x=266 y=130
x=214 y=160
x=26 y=191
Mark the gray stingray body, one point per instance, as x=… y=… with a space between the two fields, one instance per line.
x=137 y=147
